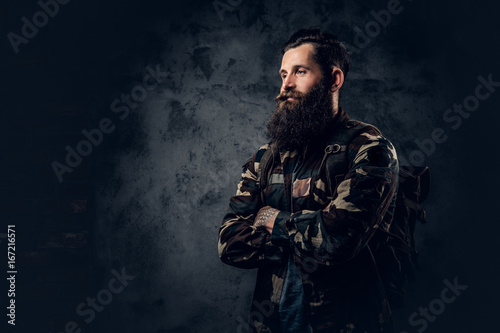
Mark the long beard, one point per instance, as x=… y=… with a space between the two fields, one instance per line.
x=303 y=121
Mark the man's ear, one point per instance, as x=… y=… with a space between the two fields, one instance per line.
x=337 y=79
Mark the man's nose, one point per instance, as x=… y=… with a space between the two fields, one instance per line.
x=288 y=83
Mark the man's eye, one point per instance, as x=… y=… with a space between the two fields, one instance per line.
x=300 y=71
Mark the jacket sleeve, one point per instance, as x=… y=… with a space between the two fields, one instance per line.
x=240 y=243
x=360 y=201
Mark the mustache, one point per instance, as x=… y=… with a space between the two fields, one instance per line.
x=289 y=94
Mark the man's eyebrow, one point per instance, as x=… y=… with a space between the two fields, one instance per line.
x=296 y=66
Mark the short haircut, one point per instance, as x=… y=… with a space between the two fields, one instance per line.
x=329 y=51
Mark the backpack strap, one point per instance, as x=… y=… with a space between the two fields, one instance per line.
x=396 y=241
x=419 y=211
x=335 y=159
x=263 y=169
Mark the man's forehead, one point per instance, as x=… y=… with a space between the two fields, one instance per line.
x=298 y=56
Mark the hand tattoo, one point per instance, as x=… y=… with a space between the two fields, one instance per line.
x=264 y=215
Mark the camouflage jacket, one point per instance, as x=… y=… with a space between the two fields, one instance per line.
x=316 y=268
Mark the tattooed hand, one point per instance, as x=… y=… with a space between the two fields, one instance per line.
x=266 y=217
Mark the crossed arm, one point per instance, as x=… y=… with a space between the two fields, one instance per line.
x=252 y=235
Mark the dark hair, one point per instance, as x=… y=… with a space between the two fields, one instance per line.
x=328 y=49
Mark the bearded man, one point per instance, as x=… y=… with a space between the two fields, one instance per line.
x=310 y=201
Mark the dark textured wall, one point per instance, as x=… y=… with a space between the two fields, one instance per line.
x=147 y=200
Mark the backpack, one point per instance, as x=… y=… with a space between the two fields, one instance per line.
x=393 y=250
